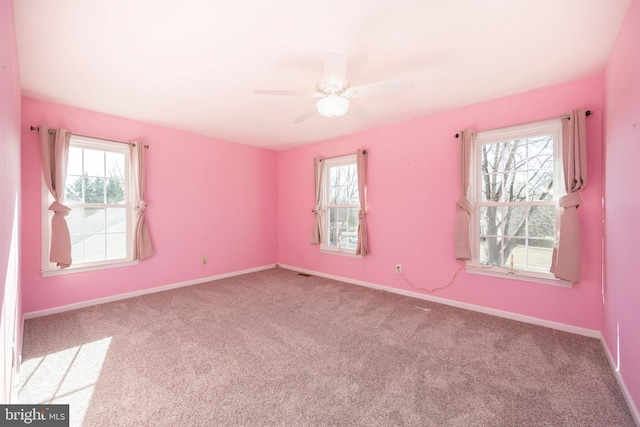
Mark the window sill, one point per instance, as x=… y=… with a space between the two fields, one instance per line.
x=325 y=250
x=545 y=279
x=71 y=270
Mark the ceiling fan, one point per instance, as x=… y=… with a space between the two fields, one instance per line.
x=334 y=93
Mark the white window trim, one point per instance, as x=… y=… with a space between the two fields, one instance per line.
x=48 y=268
x=473 y=266
x=326 y=164
x=526 y=276
x=339 y=251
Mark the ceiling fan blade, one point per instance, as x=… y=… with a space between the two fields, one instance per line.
x=358 y=111
x=379 y=89
x=335 y=68
x=289 y=93
x=306 y=115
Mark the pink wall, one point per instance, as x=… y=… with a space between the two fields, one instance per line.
x=412 y=190
x=9 y=196
x=206 y=197
x=621 y=310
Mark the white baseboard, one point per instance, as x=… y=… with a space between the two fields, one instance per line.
x=112 y=298
x=495 y=312
x=623 y=386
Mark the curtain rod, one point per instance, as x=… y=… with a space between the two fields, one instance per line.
x=337 y=157
x=587 y=113
x=52 y=131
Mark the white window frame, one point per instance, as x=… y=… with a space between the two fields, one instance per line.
x=553 y=127
x=49 y=268
x=327 y=164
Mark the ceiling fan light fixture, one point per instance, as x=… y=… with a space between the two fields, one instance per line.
x=333 y=106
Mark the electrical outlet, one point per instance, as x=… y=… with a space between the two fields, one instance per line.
x=398 y=268
x=204 y=260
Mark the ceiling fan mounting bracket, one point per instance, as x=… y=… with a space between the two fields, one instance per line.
x=333 y=89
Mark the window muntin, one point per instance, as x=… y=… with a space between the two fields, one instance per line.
x=97 y=190
x=341 y=204
x=516 y=187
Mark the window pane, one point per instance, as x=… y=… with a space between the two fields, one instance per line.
x=116 y=245
x=94 y=247
x=74 y=162
x=73 y=189
x=343 y=185
x=514 y=220
x=490 y=220
x=492 y=251
x=492 y=187
x=540 y=185
x=532 y=254
x=333 y=195
x=94 y=162
x=94 y=239
x=542 y=222
x=492 y=158
x=483 y=250
x=515 y=187
x=540 y=254
x=74 y=220
x=115 y=165
x=503 y=156
x=342 y=227
x=116 y=220
x=332 y=231
x=343 y=195
x=515 y=253
x=354 y=196
x=351 y=234
x=115 y=191
x=93 y=190
x=334 y=176
x=488 y=154
x=348 y=174
x=344 y=180
x=342 y=217
x=540 y=151
x=94 y=221
x=353 y=175
x=343 y=237
x=77 y=249
x=516 y=152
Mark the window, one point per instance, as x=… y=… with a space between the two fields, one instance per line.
x=98 y=193
x=515 y=187
x=341 y=204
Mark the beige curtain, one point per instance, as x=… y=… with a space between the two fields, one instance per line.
x=142 y=247
x=464 y=206
x=566 y=258
x=362 y=248
x=54 y=153
x=318 y=170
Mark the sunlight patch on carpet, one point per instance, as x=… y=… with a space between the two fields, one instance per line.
x=68 y=376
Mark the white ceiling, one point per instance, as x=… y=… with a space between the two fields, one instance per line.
x=193 y=65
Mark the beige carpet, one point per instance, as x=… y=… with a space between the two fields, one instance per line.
x=278 y=348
